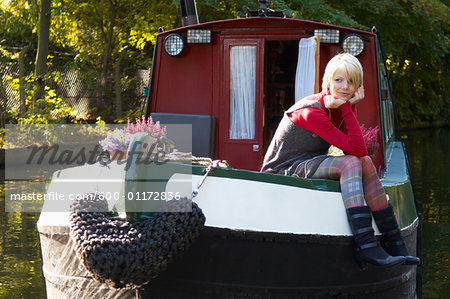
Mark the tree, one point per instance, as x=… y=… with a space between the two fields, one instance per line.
x=42 y=50
x=116 y=32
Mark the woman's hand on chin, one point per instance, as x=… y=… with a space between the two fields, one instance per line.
x=358 y=96
x=332 y=102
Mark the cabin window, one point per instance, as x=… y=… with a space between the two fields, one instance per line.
x=387 y=107
x=242 y=92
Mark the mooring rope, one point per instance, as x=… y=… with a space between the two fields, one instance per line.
x=123 y=254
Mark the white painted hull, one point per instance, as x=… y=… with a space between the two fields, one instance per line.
x=267 y=207
x=226 y=202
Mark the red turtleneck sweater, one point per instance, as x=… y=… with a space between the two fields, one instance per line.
x=325 y=124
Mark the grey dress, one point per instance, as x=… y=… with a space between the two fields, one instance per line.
x=295 y=149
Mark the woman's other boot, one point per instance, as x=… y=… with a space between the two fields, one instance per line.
x=391 y=236
x=367 y=248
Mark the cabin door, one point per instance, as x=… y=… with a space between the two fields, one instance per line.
x=241 y=103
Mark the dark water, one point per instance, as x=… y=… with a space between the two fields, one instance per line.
x=20 y=258
x=430 y=164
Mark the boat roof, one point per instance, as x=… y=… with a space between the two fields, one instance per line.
x=241 y=23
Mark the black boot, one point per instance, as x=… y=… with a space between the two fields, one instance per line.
x=391 y=238
x=367 y=248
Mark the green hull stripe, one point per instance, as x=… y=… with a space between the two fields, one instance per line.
x=315 y=184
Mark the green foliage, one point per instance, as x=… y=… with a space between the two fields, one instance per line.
x=85 y=26
x=79 y=33
x=213 y=10
x=2 y=137
x=17 y=23
x=319 y=11
x=49 y=110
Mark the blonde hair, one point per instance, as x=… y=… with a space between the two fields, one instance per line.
x=349 y=64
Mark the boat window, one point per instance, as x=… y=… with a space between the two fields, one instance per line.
x=387 y=108
x=242 y=92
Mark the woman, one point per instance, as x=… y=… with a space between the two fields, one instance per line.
x=300 y=147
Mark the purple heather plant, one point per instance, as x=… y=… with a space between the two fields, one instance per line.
x=116 y=140
x=371 y=139
x=121 y=139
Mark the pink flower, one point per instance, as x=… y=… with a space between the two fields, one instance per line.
x=120 y=139
x=371 y=139
x=145 y=125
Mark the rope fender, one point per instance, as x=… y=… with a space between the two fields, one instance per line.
x=123 y=254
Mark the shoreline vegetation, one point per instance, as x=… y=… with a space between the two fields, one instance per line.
x=432 y=125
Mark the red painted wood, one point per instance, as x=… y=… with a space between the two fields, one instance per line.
x=185 y=82
x=240 y=151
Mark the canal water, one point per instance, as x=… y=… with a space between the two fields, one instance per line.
x=430 y=173
x=21 y=264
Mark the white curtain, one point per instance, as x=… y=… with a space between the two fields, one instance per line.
x=242 y=92
x=305 y=75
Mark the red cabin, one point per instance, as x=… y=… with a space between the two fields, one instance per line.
x=242 y=74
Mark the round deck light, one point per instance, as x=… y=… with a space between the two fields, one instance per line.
x=353 y=44
x=174 y=44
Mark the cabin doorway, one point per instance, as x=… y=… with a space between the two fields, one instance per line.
x=258 y=86
x=242 y=102
x=280 y=63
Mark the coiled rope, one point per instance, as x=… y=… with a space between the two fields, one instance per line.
x=122 y=254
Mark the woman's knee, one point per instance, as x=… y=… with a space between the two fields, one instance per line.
x=352 y=160
x=351 y=163
x=366 y=159
x=367 y=165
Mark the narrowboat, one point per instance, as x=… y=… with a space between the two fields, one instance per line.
x=265 y=235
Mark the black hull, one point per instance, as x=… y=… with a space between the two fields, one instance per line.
x=234 y=264
x=225 y=263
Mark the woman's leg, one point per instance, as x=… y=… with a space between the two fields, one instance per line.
x=383 y=213
x=359 y=180
x=373 y=190
x=351 y=170
x=348 y=170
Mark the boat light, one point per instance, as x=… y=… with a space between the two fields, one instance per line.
x=174 y=44
x=328 y=36
x=353 y=44
x=198 y=36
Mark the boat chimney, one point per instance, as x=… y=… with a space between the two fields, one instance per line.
x=262 y=4
x=263 y=11
x=188 y=13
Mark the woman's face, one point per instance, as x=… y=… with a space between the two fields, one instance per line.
x=341 y=87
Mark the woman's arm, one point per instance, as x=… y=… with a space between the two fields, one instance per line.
x=315 y=120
